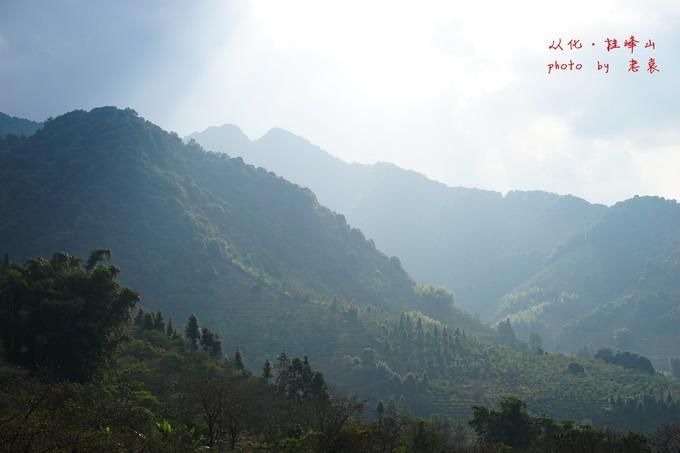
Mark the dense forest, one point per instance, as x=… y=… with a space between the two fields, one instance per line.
x=83 y=368
x=232 y=266
x=575 y=273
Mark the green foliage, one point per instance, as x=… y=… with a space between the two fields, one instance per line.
x=621 y=278
x=511 y=424
x=297 y=381
x=155 y=396
x=626 y=359
x=60 y=316
x=210 y=342
x=267 y=371
x=643 y=413
x=192 y=332
x=576 y=368
x=238 y=362
x=267 y=267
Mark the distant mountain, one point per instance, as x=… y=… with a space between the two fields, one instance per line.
x=227 y=137
x=479 y=244
x=617 y=283
x=17 y=126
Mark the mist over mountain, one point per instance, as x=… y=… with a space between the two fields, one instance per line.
x=125 y=175
x=428 y=227
x=548 y=262
x=614 y=284
x=479 y=244
x=257 y=257
x=268 y=268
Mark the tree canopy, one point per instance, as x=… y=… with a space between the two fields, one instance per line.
x=60 y=316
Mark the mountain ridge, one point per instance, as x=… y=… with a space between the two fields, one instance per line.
x=503 y=255
x=268 y=268
x=413 y=206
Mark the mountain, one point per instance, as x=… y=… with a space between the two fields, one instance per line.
x=479 y=244
x=262 y=263
x=578 y=274
x=614 y=284
x=17 y=126
x=98 y=177
x=227 y=137
x=257 y=257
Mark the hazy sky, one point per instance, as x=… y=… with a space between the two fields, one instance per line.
x=458 y=91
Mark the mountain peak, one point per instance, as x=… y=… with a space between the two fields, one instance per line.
x=226 y=138
x=283 y=136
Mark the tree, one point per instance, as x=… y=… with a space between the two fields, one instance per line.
x=380 y=410
x=576 y=368
x=329 y=416
x=667 y=438
x=192 y=332
x=211 y=343
x=507 y=333
x=511 y=424
x=238 y=362
x=267 y=371
x=97 y=256
x=147 y=324
x=604 y=354
x=158 y=322
x=626 y=359
x=60 y=316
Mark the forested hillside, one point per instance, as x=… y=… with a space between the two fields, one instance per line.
x=268 y=268
x=478 y=243
x=576 y=274
x=84 y=369
x=256 y=256
x=614 y=284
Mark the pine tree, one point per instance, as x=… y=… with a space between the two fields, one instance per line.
x=192 y=332
x=506 y=332
x=210 y=342
x=158 y=322
x=267 y=371
x=238 y=361
x=317 y=386
x=148 y=321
